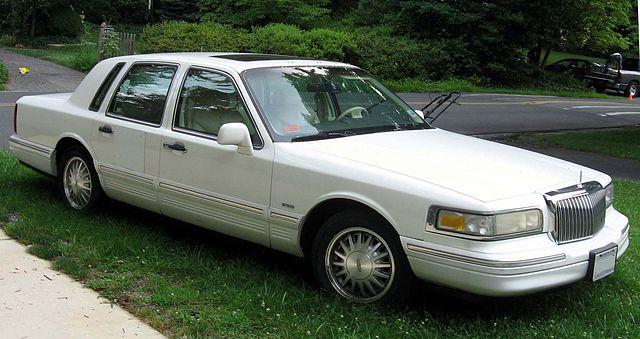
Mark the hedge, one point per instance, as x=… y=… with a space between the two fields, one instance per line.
x=376 y=50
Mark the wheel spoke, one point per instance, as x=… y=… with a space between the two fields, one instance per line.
x=380 y=256
x=370 y=288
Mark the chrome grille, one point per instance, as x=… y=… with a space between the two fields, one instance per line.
x=579 y=212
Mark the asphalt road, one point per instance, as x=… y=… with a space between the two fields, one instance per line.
x=480 y=114
x=477 y=114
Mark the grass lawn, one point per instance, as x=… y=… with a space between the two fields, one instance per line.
x=555 y=56
x=4 y=76
x=187 y=281
x=624 y=143
x=418 y=86
x=81 y=57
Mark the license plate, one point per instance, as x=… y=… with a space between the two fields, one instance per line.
x=602 y=262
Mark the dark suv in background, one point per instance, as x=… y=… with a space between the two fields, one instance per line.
x=619 y=73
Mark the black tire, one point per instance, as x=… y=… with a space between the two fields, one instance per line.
x=600 y=88
x=96 y=194
x=401 y=280
x=632 y=89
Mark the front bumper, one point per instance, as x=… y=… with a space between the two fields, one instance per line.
x=494 y=271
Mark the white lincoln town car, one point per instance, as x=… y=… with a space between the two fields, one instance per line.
x=320 y=160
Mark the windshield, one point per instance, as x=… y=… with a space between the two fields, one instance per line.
x=307 y=103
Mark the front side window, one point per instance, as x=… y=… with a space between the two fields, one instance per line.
x=303 y=103
x=209 y=100
x=143 y=92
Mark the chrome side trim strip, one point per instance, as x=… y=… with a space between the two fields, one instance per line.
x=120 y=172
x=38 y=148
x=487 y=263
x=284 y=217
x=211 y=198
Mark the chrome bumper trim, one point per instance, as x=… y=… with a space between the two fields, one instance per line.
x=625 y=229
x=38 y=148
x=488 y=263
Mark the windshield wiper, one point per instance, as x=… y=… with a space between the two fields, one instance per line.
x=322 y=135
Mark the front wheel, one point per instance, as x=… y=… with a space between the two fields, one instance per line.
x=360 y=257
x=78 y=179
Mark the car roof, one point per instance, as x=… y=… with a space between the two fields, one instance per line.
x=237 y=61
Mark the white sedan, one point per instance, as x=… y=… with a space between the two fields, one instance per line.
x=320 y=160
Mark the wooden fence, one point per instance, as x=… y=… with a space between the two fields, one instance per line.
x=112 y=43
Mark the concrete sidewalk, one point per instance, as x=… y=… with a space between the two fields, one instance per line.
x=38 y=302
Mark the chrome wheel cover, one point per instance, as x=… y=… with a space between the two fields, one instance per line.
x=359 y=264
x=633 y=90
x=76 y=182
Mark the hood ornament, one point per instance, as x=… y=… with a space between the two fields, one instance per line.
x=580 y=180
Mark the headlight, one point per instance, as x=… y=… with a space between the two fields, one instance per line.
x=489 y=225
x=608 y=196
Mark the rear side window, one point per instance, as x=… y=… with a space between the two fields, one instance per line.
x=104 y=87
x=143 y=92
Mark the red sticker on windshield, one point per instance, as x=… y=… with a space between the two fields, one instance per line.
x=291 y=128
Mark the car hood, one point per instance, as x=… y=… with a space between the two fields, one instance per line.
x=478 y=168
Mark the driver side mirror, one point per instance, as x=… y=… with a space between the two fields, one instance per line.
x=237 y=134
x=420 y=113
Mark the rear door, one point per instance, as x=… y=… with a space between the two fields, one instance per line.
x=126 y=137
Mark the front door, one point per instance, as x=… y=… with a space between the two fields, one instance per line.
x=203 y=182
x=126 y=139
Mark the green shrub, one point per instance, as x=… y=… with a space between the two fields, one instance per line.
x=330 y=45
x=396 y=57
x=179 y=36
x=280 y=39
x=377 y=50
x=7 y=40
x=4 y=76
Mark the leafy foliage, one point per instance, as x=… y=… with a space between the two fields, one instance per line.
x=179 y=36
x=249 y=13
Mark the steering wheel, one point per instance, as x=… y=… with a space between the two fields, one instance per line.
x=363 y=111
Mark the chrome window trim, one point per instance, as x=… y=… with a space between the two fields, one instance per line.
x=433 y=213
x=121 y=80
x=208 y=135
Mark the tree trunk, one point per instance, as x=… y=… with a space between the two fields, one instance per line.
x=32 y=32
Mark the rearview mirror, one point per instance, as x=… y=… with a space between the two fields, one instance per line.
x=420 y=113
x=237 y=134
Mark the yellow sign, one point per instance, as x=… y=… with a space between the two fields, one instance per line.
x=23 y=70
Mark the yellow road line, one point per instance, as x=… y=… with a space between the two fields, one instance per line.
x=7 y=105
x=526 y=103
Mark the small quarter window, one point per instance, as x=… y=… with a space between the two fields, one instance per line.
x=143 y=92
x=104 y=87
x=209 y=100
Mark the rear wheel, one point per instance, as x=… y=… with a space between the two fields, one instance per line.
x=78 y=179
x=632 y=89
x=360 y=257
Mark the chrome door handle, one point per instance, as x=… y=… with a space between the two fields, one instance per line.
x=105 y=129
x=175 y=147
